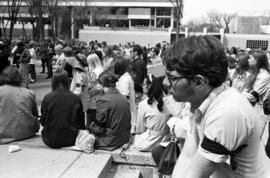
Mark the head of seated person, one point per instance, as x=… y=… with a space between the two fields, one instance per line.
x=112 y=115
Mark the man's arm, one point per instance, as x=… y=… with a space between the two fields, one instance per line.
x=200 y=167
x=184 y=161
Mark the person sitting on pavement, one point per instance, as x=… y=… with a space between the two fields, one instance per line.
x=18 y=113
x=152 y=116
x=112 y=123
x=94 y=70
x=61 y=113
x=125 y=85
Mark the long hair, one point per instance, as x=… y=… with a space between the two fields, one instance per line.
x=261 y=63
x=243 y=65
x=93 y=62
x=155 y=91
x=60 y=81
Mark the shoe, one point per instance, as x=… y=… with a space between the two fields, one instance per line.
x=48 y=77
x=42 y=72
x=31 y=80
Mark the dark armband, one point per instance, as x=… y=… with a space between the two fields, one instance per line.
x=219 y=149
x=256 y=96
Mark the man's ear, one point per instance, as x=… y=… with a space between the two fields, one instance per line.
x=200 y=81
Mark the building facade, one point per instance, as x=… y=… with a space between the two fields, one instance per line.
x=141 y=15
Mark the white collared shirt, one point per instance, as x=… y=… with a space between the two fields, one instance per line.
x=230 y=120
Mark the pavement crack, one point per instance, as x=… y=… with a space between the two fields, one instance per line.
x=70 y=165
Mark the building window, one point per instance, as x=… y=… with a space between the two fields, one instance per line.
x=163 y=22
x=163 y=11
x=139 y=23
x=257 y=44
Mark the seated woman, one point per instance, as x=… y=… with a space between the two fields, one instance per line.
x=112 y=123
x=152 y=116
x=125 y=85
x=18 y=108
x=61 y=113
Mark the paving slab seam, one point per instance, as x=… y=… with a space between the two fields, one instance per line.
x=71 y=164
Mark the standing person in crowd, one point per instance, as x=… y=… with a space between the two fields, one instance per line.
x=24 y=66
x=112 y=123
x=51 y=53
x=33 y=61
x=258 y=85
x=241 y=73
x=79 y=82
x=17 y=52
x=64 y=62
x=61 y=113
x=139 y=65
x=18 y=113
x=108 y=58
x=94 y=70
x=4 y=53
x=125 y=85
x=224 y=126
x=151 y=123
x=43 y=53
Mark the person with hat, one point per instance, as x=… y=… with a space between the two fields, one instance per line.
x=79 y=82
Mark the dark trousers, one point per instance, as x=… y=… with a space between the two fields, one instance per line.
x=43 y=64
x=49 y=66
x=90 y=116
x=267 y=147
x=32 y=71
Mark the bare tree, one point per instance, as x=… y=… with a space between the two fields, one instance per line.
x=13 y=7
x=52 y=10
x=80 y=14
x=227 y=18
x=221 y=20
x=3 y=23
x=179 y=5
x=36 y=12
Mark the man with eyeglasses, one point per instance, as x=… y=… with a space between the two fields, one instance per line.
x=224 y=139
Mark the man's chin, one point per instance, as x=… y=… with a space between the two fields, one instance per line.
x=176 y=99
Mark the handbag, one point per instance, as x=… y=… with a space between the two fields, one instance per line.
x=85 y=141
x=169 y=158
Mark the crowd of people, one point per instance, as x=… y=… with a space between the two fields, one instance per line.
x=214 y=101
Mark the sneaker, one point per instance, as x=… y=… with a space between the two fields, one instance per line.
x=31 y=80
x=48 y=77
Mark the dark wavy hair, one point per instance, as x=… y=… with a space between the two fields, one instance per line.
x=60 y=80
x=198 y=55
x=107 y=79
x=10 y=76
x=261 y=63
x=155 y=91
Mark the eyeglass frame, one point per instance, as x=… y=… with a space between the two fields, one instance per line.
x=172 y=79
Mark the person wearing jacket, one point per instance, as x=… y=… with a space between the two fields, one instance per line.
x=18 y=108
x=112 y=123
x=61 y=113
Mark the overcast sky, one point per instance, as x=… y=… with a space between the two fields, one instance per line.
x=198 y=8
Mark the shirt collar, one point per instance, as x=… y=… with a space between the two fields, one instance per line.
x=206 y=103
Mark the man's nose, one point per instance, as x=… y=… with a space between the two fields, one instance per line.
x=166 y=84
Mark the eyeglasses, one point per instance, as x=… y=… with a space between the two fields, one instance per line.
x=173 y=79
